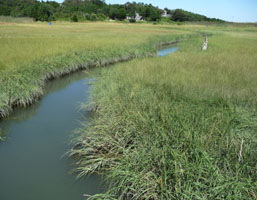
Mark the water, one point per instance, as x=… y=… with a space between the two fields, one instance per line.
x=31 y=163
x=167 y=50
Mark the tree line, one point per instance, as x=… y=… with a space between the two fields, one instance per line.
x=80 y=10
x=182 y=15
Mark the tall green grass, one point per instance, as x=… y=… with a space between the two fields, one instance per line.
x=34 y=53
x=178 y=127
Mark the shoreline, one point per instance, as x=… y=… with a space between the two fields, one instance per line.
x=80 y=67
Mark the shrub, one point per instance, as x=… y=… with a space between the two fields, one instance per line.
x=132 y=20
x=87 y=16
x=74 y=18
x=102 y=17
x=93 y=17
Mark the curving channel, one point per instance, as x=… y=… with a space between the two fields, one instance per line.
x=32 y=165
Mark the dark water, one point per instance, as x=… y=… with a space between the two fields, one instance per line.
x=167 y=50
x=32 y=166
x=31 y=163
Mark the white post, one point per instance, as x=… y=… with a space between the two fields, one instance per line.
x=205 y=44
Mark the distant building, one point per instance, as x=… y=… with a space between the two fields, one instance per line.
x=137 y=17
x=165 y=14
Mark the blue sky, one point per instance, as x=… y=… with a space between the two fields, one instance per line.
x=230 y=10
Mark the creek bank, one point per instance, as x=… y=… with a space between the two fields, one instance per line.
x=53 y=72
x=34 y=96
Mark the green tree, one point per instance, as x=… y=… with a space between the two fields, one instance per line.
x=44 y=12
x=87 y=16
x=113 y=14
x=74 y=18
x=122 y=14
x=4 y=10
x=180 y=15
x=93 y=17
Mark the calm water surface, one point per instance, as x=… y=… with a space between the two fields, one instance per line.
x=164 y=51
x=31 y=162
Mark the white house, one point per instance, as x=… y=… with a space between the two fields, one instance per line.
x=165 y=14
x=138 y=17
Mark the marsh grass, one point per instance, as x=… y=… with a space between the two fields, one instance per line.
x=177 y=127
x=32 y=54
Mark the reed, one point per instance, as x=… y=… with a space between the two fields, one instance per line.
x=177 y=127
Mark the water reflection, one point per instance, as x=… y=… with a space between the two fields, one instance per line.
x=167 y=50
x=30 y=159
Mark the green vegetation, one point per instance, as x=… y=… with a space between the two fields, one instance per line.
x=83 y=10
x=43 y=11
x=183 y=16
x=178 y=127
x=96 y=9
x=33 y=53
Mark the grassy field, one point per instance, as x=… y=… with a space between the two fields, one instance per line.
x=177 y=127
x=32 y=53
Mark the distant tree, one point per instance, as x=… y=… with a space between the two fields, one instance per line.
x=74 y=18
x=150 y=13
x=147 y=13
x=16 y=12
x=113 y=13
x=72 y=6
x=44 y=12
x=182 y=15
x=93 y=17
x=101 y=17
x=53 y=4
x=87 y=16
x=130 y=9
x=155 y=15
x=4 y=10
x=98 y=2
x=179 y=15
x=121 y=14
